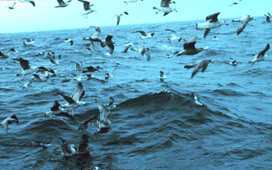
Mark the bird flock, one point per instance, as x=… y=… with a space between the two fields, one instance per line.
x=73 y=101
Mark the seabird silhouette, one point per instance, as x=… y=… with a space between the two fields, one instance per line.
x=203 y=64
x=9 y=120
x=29 y=1
x=244 y=21
x=212 y=22
x=110 y=44
x=260 y=56
x=127 y=46
x=63 y=4
x=144 y=51
x=165 y=8
x=95 y=36
x=91 y=69
x=119 y=16
x=103 y=123
x=144 y=35
x=69 y=40
x=28 y=41
x=189 y=47
x=75 y=100
x=3 y=56
x=26 y=69
x=268 y=17
x=109 y=74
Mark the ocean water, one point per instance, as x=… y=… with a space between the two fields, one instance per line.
x=155 y=125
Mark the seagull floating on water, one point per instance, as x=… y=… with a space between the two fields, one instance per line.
x=212 y=22
x=261 y=55
x=165 y=8
x=189 y=47
x=233 y=62
x=162 y=76
x=197 y=66
x=69 y=40
x=9 y=120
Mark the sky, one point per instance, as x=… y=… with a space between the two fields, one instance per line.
x=26 y=18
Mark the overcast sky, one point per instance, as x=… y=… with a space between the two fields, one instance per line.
x=24 y=17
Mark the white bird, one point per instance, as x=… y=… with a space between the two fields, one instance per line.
x=165 y=8
x=75 y=100
x=26 y=69
x=260 y=56
x=233 y=62
x=119 y=16
x=203 y=64
x=104 y=122
x=173 y=35
x=212 y=22
x=63 y=4
x=9 y=120
x=127 y=46
x=244 y=21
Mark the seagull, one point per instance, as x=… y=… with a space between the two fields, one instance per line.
x=127 y=46
x=173 y=35
x=162 y=76
x=260 y=56
x=69 y=40
x=268 y=17
x=63 y=4
x=234 y=3
x=198 y=65
x=9 y=120
x=53 y=61
x=103 y=123
x=29 y=1
x=87 y=7
x=212 y=22
x=91 y=69
x=110 y=44
x=189 y=47
x=233 y=62
x=12 y=7
x=28 y=41
x=67 y=149
x=45 y=72
x=75 y=100
x=78 y=65
x=144 y=51
x=144 y=35
x=38 y=78
x=119 y=16
x=85 y=124
x=165 y=8
x=244 y=21
x=95 y=36
x=26 y=69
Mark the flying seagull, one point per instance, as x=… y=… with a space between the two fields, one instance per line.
x=212 y=22
x=67 y=149
x=119 y=16
x=260 y=56
x=63 y=4
x=130 y=1
x=189 y=47
x=144 y=35
x=26 y=69
x=173 y=35
x=69 y=40
x=127 y=46
x=244 y=21
x=110 y=74
x=9 y=120
x=95 y=36
x=144 y=51
x=75 y=100
x=87 y=7
x=165 y=8
x=29 y=1
x=197 y=66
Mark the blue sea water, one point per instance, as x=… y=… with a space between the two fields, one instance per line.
x=155 y=125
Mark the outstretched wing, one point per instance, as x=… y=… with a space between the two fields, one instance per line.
x=79 y=92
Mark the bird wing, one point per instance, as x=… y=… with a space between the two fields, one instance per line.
x=79 y=92
x=190 y=45
x=118 y=19
x=66 y=98
x=141 y=32
x=206 y=32
x=60 y=2
x=24 y=64
x=264 y=50
x=243 y=25
x=104 y=113
x=194 y=72
x=172 y=31
x=165 y=3
x=213 y=17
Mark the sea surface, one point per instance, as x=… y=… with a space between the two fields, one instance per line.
x=155 y=124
